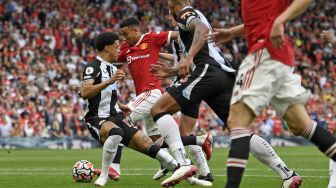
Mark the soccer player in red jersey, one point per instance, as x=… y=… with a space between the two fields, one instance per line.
x=140 y=51
x=266 y=76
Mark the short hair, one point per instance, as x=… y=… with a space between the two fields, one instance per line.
x=104 y=39
x=131 y=21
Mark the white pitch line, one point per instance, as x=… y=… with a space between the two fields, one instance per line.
x=136 y=174
x=153 y=169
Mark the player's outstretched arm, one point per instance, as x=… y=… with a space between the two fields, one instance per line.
x=88 y=89
x=328 y=37
x=223 y=35
x=166 y=56
x=297 y=7
x=163 y=70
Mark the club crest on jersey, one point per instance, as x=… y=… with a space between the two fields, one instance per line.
x=89 y=70
x=143 y=46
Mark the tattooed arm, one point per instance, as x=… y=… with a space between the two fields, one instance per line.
x=200 y=32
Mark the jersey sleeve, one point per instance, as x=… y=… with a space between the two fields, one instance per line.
x=186 y=16
x=90 y=72
x=160 y=38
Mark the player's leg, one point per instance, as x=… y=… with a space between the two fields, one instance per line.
x=161 y=112
x=188 y=121
x=169 y=130
x=240 y=118
x=111 y=136
x=251 y=92
x=264 y=152
x=259 y=148
x=138 y=141
x=140 y=107
x=289 y=102
x=139 y=112
x=300 y=123
x=144 y=144
x=332 y=173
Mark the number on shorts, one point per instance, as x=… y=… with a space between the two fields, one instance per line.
x=240 y=80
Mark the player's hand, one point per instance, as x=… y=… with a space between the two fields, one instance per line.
x=327 y=37
x=220 y=36
x=119 y=75
x=184 y=66
x=277 y=35
x=125 y=109
x=160 y=70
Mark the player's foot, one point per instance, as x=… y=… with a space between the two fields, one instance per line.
x=198 y=182
x=113 y=175
x=101 y=181
x=160 y=173
x=332 y=186
x=294 y=181
x=207 y=146
x=208 y=177
x=180 y=174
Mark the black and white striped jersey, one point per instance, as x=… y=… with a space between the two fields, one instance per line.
x=209 y=54
x=104 y=104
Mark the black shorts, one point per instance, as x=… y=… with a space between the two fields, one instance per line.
x=94 y=124
x=208 y=83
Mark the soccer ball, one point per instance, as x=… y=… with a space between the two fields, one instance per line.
x=82 y=171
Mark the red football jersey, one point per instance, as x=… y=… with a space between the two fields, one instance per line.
x=140 y=56
x=258 y=17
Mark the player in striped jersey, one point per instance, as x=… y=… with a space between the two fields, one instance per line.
x=105 y=119
x=259 y=147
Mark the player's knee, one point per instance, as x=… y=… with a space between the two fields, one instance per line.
x=296 y=129
x=116 y=131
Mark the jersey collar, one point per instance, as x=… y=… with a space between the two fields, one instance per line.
x=142 y=36
x=103 y=61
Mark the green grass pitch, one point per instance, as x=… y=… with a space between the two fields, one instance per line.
x=52 y=168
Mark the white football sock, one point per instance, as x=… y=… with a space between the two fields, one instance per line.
x=166 y=160
x=264 y=152
x=109 y=151
x=198 y=155
x=332 y=173
x=166 y=150
x=170 y=132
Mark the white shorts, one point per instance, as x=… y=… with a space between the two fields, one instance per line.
x=262 y=80
x=141 y=106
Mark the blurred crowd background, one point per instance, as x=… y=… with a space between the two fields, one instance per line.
x=45 y=44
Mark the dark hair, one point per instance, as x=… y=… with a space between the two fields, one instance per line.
x=131 y=21
x=104 y=39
